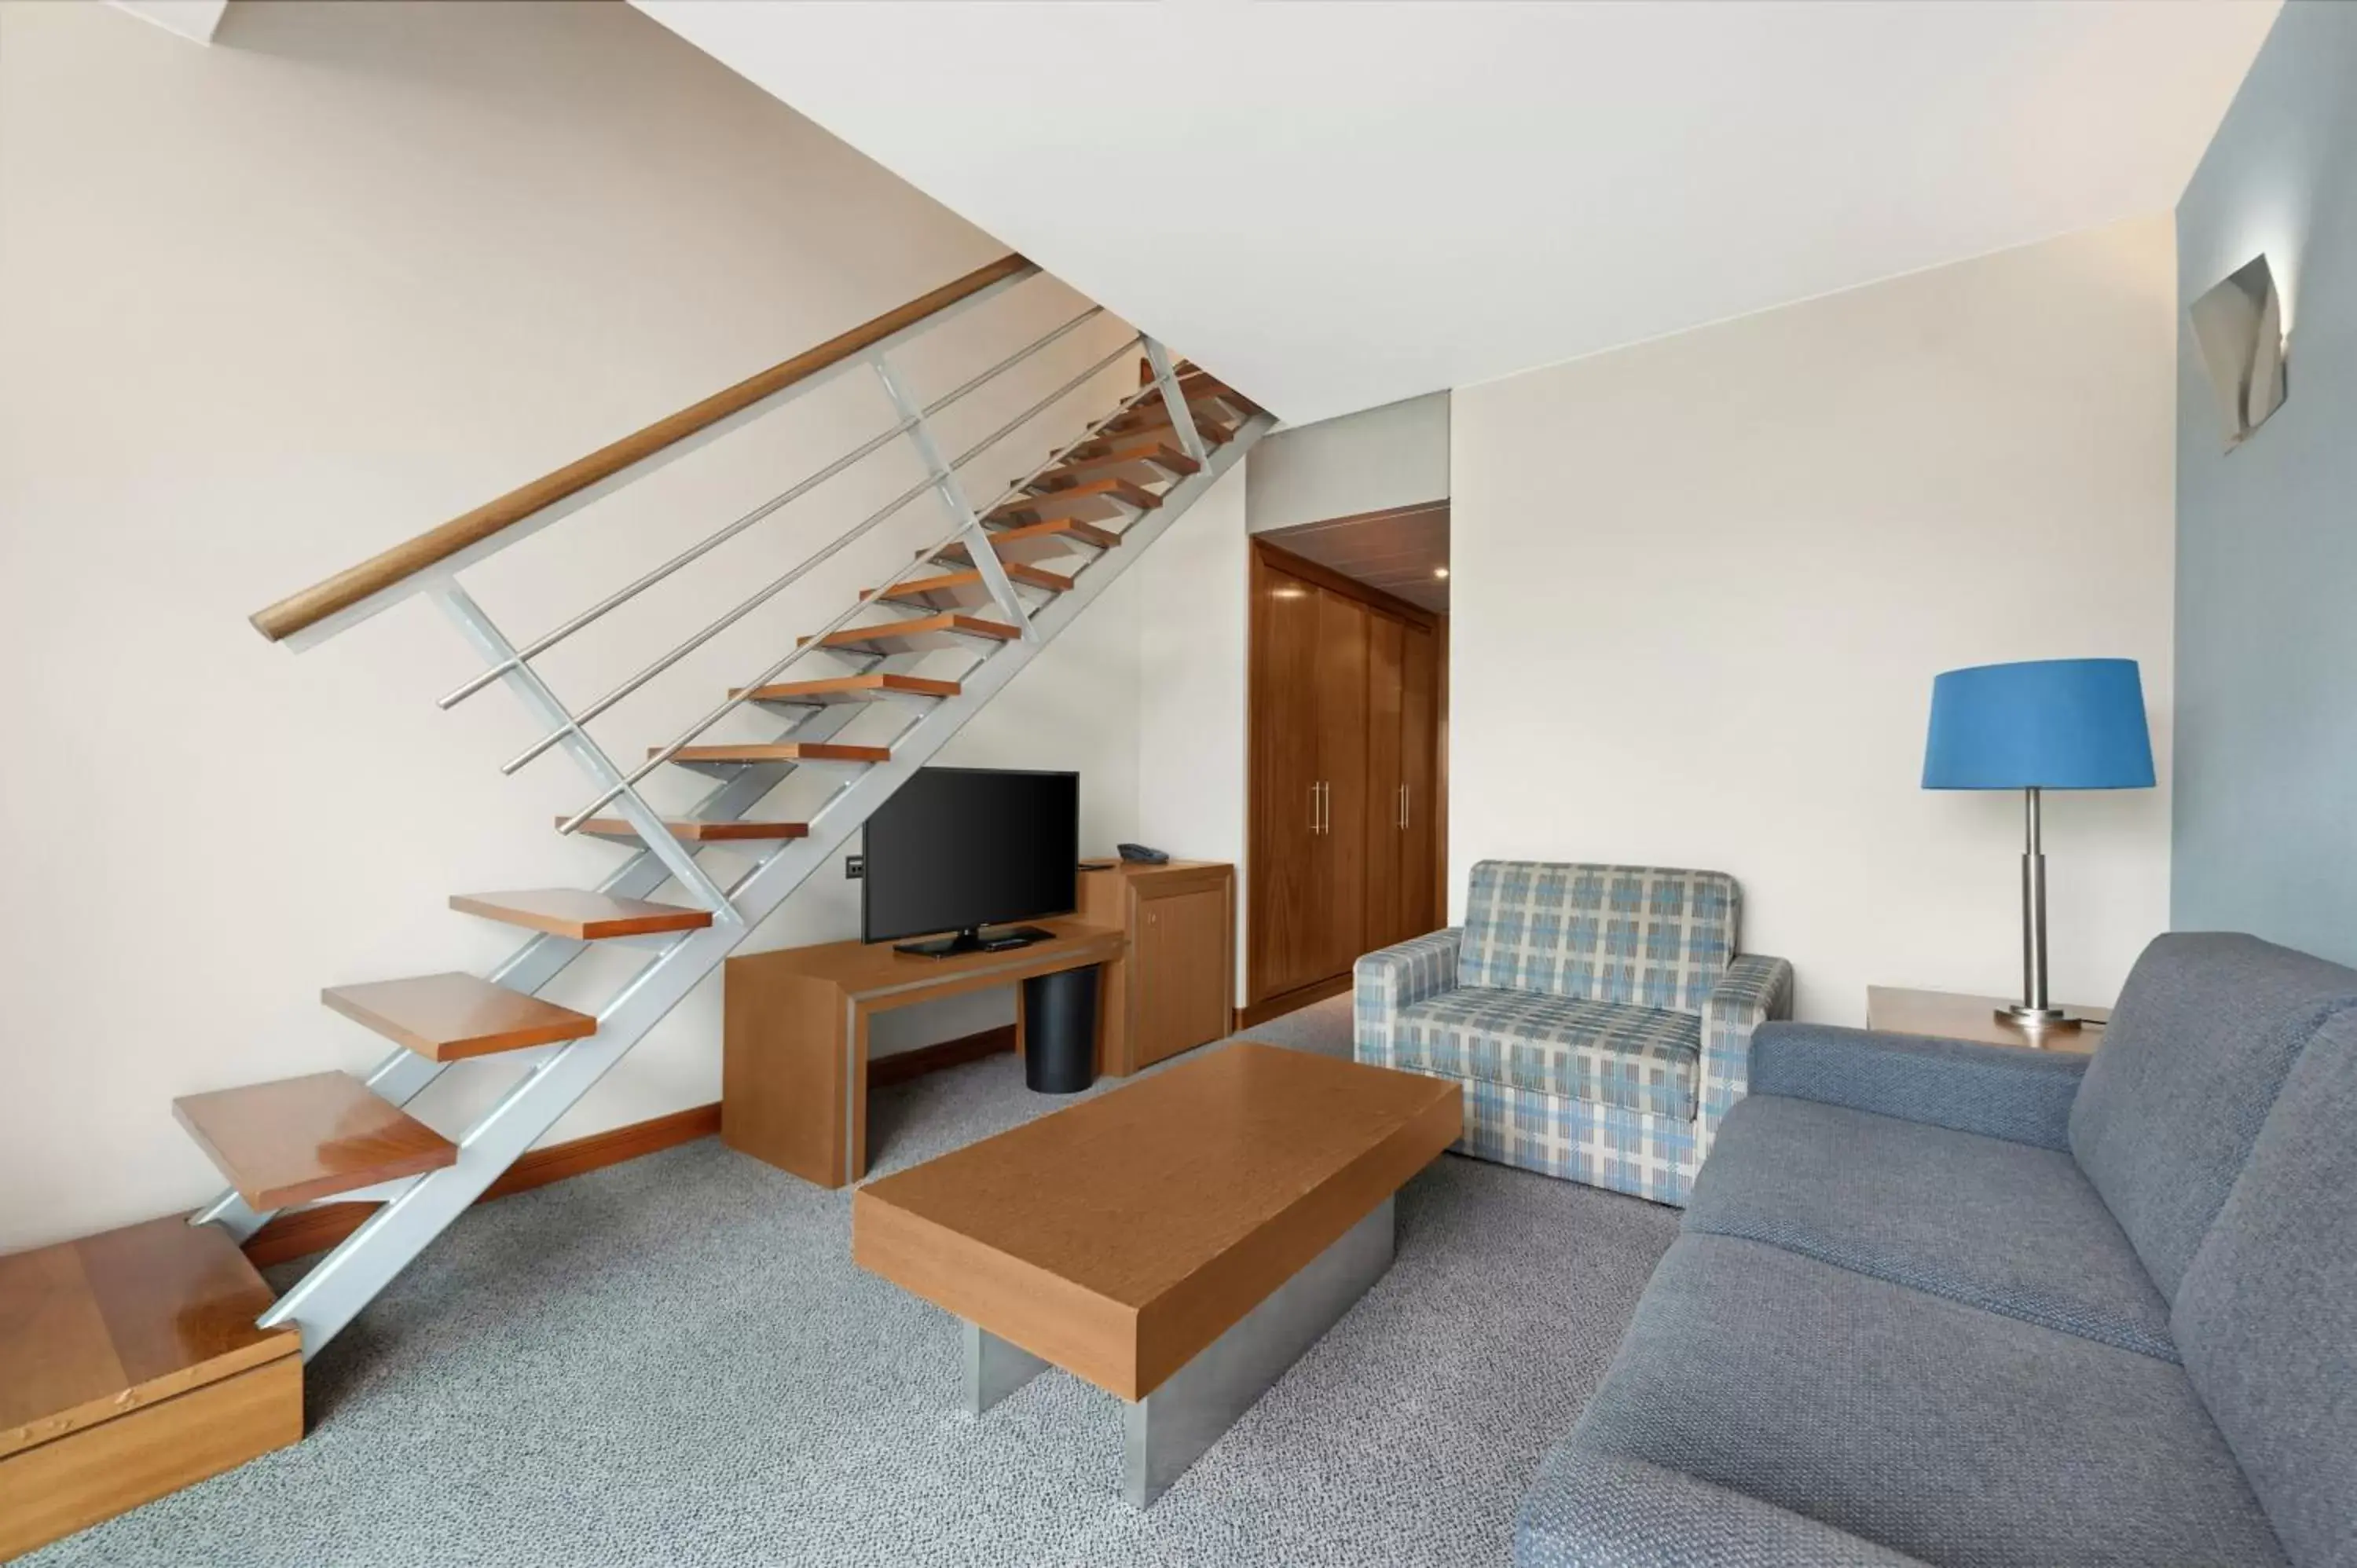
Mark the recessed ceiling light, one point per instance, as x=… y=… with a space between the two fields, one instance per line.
x=1440 y=571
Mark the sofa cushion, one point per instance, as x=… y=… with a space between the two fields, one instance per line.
x=1952 y=1434
x=2207 y=1025
x=1644 y=936
x=1999 y=1225
x=2267 y=1314
x=1588 y=1508
x=1640 y=1059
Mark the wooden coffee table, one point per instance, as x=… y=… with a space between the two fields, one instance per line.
x=1177 y=1242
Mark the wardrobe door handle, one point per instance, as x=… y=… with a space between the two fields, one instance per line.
x=1326 y=806
x=1313 y=807
x=1404 y=808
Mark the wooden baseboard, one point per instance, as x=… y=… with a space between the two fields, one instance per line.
x=1293 y=1001
x=308 y=1231
x=903 y=1066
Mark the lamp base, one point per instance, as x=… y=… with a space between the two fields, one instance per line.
x=2022 y=1016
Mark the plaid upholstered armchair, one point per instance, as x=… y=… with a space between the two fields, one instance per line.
x=1598 y=1016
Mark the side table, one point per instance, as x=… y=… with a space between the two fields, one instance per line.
x=1956 y=1016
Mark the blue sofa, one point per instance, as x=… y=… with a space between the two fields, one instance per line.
x=1960 y=1305
x=1599 y=1017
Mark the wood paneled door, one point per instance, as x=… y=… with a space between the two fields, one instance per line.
x=1345 y=737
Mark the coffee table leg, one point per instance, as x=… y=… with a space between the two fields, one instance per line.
x=1170 y=1428
x=994 y=1368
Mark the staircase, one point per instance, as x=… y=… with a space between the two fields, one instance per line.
x=1001 y=582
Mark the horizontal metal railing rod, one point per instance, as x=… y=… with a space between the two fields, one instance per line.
x=712 y=542
x=769 y=591
x=817 y=639
x=461 y=536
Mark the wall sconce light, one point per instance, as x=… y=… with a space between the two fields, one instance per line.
x=2238 y=327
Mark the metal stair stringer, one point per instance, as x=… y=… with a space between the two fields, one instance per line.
x=325 y=1299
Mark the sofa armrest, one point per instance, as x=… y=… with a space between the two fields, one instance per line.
x=1754 y=990
x=1390 y=980
x=1591 y=1506
x=2000 y=1092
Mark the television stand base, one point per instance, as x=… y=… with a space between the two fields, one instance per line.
x=977 y=939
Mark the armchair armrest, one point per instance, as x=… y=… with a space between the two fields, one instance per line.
x=1389 y=980
x=1754 y=990
x=2000 y=1092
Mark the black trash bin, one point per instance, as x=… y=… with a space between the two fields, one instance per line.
x=1059 y=1031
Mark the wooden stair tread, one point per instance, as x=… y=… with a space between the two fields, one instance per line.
x=298 y=1138
x=448 y=1017
x=781 y=751
x=1095 y=500
x=697 y=833
x=1199 y=384
x=584 y=916
x=926 y=627
x=1056 y=537
x=1147 y=420
x=1208 y=408
x=969 y=586
x=1160 y=454
x=849 y=689
x=93 y=1328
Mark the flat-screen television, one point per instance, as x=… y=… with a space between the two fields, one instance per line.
x=957 y=849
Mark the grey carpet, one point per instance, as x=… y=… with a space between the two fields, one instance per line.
x=675 y=1361
x=1323 y=1027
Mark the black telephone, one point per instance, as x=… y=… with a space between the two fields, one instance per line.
x=1141 y=854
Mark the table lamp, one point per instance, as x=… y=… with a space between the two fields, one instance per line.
x=2046 y=724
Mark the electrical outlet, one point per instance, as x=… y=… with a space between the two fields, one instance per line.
x=854 y=866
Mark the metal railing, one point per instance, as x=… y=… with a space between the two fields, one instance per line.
x=965 y=526
x=912 y=426
x=414 y=1209
x=431 y=562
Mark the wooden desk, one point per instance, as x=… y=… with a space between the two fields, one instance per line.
x=1953 y=1016
x=794 y=1064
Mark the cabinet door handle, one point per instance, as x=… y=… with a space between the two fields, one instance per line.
x=1403 y=808
x=1313 y=807
x=1325 y=806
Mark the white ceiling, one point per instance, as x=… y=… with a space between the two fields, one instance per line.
x=1336 y=206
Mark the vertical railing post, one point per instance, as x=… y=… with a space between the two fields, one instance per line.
x=678 y=858
x=1182 y=418
x=961 y=510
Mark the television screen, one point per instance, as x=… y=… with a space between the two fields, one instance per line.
x=956 y=848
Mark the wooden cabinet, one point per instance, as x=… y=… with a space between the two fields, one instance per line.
x=1386 y=694
x=1340 y=904
x=1184 y=959
x=1175 y=989
x=1418 y=843
x=1287 y=802
x=1345 y=702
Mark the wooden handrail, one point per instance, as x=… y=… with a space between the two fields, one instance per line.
x=349 y=587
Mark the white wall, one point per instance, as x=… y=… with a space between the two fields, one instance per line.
x=1194 y=603
x=1702 y=586
x=270 y=306
x=1375 y=459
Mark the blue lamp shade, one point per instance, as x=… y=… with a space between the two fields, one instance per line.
x=2050 y=723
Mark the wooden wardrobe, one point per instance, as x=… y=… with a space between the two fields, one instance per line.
x=1345 y=728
